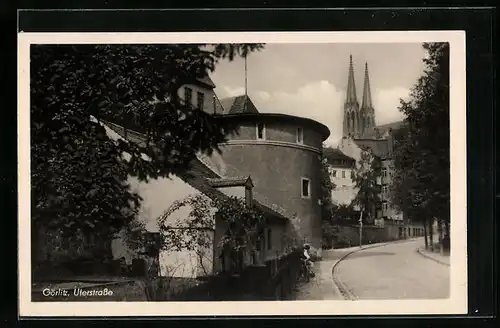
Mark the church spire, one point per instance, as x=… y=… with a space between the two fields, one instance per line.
x=351 y=105
x=351 y=85
x=367 y=95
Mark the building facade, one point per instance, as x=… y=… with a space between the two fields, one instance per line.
x=341 y=170
x=282 y=154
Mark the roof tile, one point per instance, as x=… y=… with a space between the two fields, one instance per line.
x=236 y=105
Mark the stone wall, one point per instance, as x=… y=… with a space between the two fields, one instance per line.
x=348 y=236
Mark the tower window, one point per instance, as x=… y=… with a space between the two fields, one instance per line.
x=300 y=135
x=188 y=94
x=200 y=100
x=306 y=188
x=384 y=205
x=261 y=131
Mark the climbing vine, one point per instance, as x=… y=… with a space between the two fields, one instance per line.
x=242 y=224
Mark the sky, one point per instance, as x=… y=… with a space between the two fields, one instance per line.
x=310 y=80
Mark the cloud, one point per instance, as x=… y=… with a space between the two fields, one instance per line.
x=320 y=101
x=230 y=91
x=386 y=103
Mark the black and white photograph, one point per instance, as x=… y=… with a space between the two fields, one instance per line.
x=271 y=169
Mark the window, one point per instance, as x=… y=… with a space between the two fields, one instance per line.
x=334 y=173
x=188 y=94
x=384 y=172
x=343 y=174
x=384 y=206
x=261 y=131
x=300 y=135
x=269 y=239
x=306 y=188
x=200 y=99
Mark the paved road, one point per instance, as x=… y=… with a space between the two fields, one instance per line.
x=394 y=271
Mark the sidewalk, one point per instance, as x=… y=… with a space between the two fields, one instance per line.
x=434 y=256
x=321 y=287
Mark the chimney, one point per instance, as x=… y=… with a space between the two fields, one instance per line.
x=248 y=196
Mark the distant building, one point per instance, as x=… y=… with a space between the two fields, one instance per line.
x=341 y=170
x=200 y=94
x=360 y=132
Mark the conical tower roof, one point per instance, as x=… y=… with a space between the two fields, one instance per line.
x=351 y=85
x=367 y=94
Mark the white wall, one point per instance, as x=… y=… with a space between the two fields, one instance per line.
x=188 y=263
x=344 y=191
x=158 y=195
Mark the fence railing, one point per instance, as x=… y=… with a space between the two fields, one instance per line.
x=275 y=280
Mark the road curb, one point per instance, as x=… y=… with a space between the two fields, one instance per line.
x=342 y=288
x=419 y=251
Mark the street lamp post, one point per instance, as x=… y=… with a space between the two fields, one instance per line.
x=361 y=229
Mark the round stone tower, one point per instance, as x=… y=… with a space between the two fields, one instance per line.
x=282 y=154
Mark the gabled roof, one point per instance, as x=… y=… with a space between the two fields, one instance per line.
x=379 y=147
x=207 y=81
x=236 y=105
x=332 y=154
x=231 y=182
x=380 y=130
x=196 y=178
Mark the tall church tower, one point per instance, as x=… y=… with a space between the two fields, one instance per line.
x=357 y=121
x=367 y=117
x=351 y=106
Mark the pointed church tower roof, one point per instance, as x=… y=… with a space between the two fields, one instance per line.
x=351 y=85
x=367 y=94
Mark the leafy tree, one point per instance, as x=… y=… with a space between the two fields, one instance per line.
x=344 y=214
x=421 y=157
x=79 y=178
x=365 y=176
